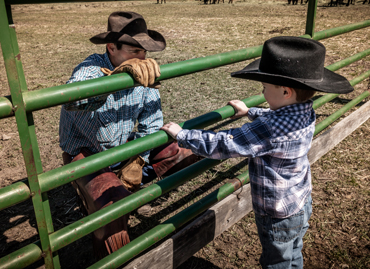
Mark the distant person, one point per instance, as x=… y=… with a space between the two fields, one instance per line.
x=291 y=70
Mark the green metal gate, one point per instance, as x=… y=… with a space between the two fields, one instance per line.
x=22 y=103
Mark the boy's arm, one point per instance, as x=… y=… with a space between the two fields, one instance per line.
x=251 y=140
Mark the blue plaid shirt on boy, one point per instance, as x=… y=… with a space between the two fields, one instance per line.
x=103 y=122
x=277 y=143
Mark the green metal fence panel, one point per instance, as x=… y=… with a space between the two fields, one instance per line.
x=159 y=232
x=14 y=194
x=22 y=103
x=48 y=97
x=22 y=257
x=311 y=16
x=27 y=136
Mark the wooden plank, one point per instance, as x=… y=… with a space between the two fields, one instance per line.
x=197 y=234
x=227 y=212
x=330 y=138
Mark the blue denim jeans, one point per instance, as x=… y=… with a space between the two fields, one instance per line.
x=281 y=239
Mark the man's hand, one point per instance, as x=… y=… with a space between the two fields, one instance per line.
x=240 y=108
x=144 y=71
x=172 y=129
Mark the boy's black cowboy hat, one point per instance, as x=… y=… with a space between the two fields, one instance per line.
x=130 y=28
x=295 y=62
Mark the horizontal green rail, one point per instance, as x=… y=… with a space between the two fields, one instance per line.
x=329 y=120
x=70 y=172
x=6 y=107
x=53 y=96
x=9 y=197
x=58 y=95
x=340 y=30
x=94 y=221
x=159 y=232
x=14 y=194
x=162 y=230
x=86 y=225
x=23 y=257
x=62 y=175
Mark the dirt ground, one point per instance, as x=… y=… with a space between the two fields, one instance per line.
x=339 y=234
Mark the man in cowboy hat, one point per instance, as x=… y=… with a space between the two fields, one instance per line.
x=99 y=123
x=291 y=70
x=103 y=122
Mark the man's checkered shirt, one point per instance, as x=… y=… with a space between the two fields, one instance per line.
x=104 y=122
x=277 y=143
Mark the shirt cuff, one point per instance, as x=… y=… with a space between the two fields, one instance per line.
x=181 y=136
x=252 y=113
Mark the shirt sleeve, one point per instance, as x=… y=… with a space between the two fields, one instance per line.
x=251 y=140
x=255 y=112
x=151 y=118
x=85 y=72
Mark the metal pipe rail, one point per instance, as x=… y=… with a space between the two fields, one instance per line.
x=70 y=172
x=23 y=102
x=94 y=221
x=19 y=192
x=53 y=96
x=104 y=216
x=159 y=232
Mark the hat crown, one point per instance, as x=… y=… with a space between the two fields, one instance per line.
x=129 y=23
x=293 y=57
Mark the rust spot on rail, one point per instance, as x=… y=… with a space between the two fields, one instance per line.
x=236 y=182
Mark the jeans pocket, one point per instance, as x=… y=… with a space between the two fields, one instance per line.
x=287 y=229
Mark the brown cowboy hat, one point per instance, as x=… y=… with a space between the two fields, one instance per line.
x=295 y=62
x=130 y=28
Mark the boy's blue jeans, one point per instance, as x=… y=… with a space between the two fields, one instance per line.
x=281 y=239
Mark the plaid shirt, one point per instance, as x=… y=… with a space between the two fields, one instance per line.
x=277 y=143
x=103 y=122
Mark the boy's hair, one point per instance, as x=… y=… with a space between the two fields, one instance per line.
x=302 y=95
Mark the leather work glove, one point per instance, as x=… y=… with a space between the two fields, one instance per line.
x=144 y=71
x=131 y=173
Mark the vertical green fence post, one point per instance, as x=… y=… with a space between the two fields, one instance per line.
x=311 y=16
x=26 y=129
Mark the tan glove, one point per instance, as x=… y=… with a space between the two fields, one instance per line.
x=131 y=173
x=144 y=71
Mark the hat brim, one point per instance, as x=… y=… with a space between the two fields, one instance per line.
x=153 y=41
x=331 y=82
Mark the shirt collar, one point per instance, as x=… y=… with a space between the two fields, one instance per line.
x=107 y=60
x=299 y=108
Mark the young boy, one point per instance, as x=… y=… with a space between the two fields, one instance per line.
x=291 y=70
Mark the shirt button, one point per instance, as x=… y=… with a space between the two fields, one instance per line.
x=180 y=144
